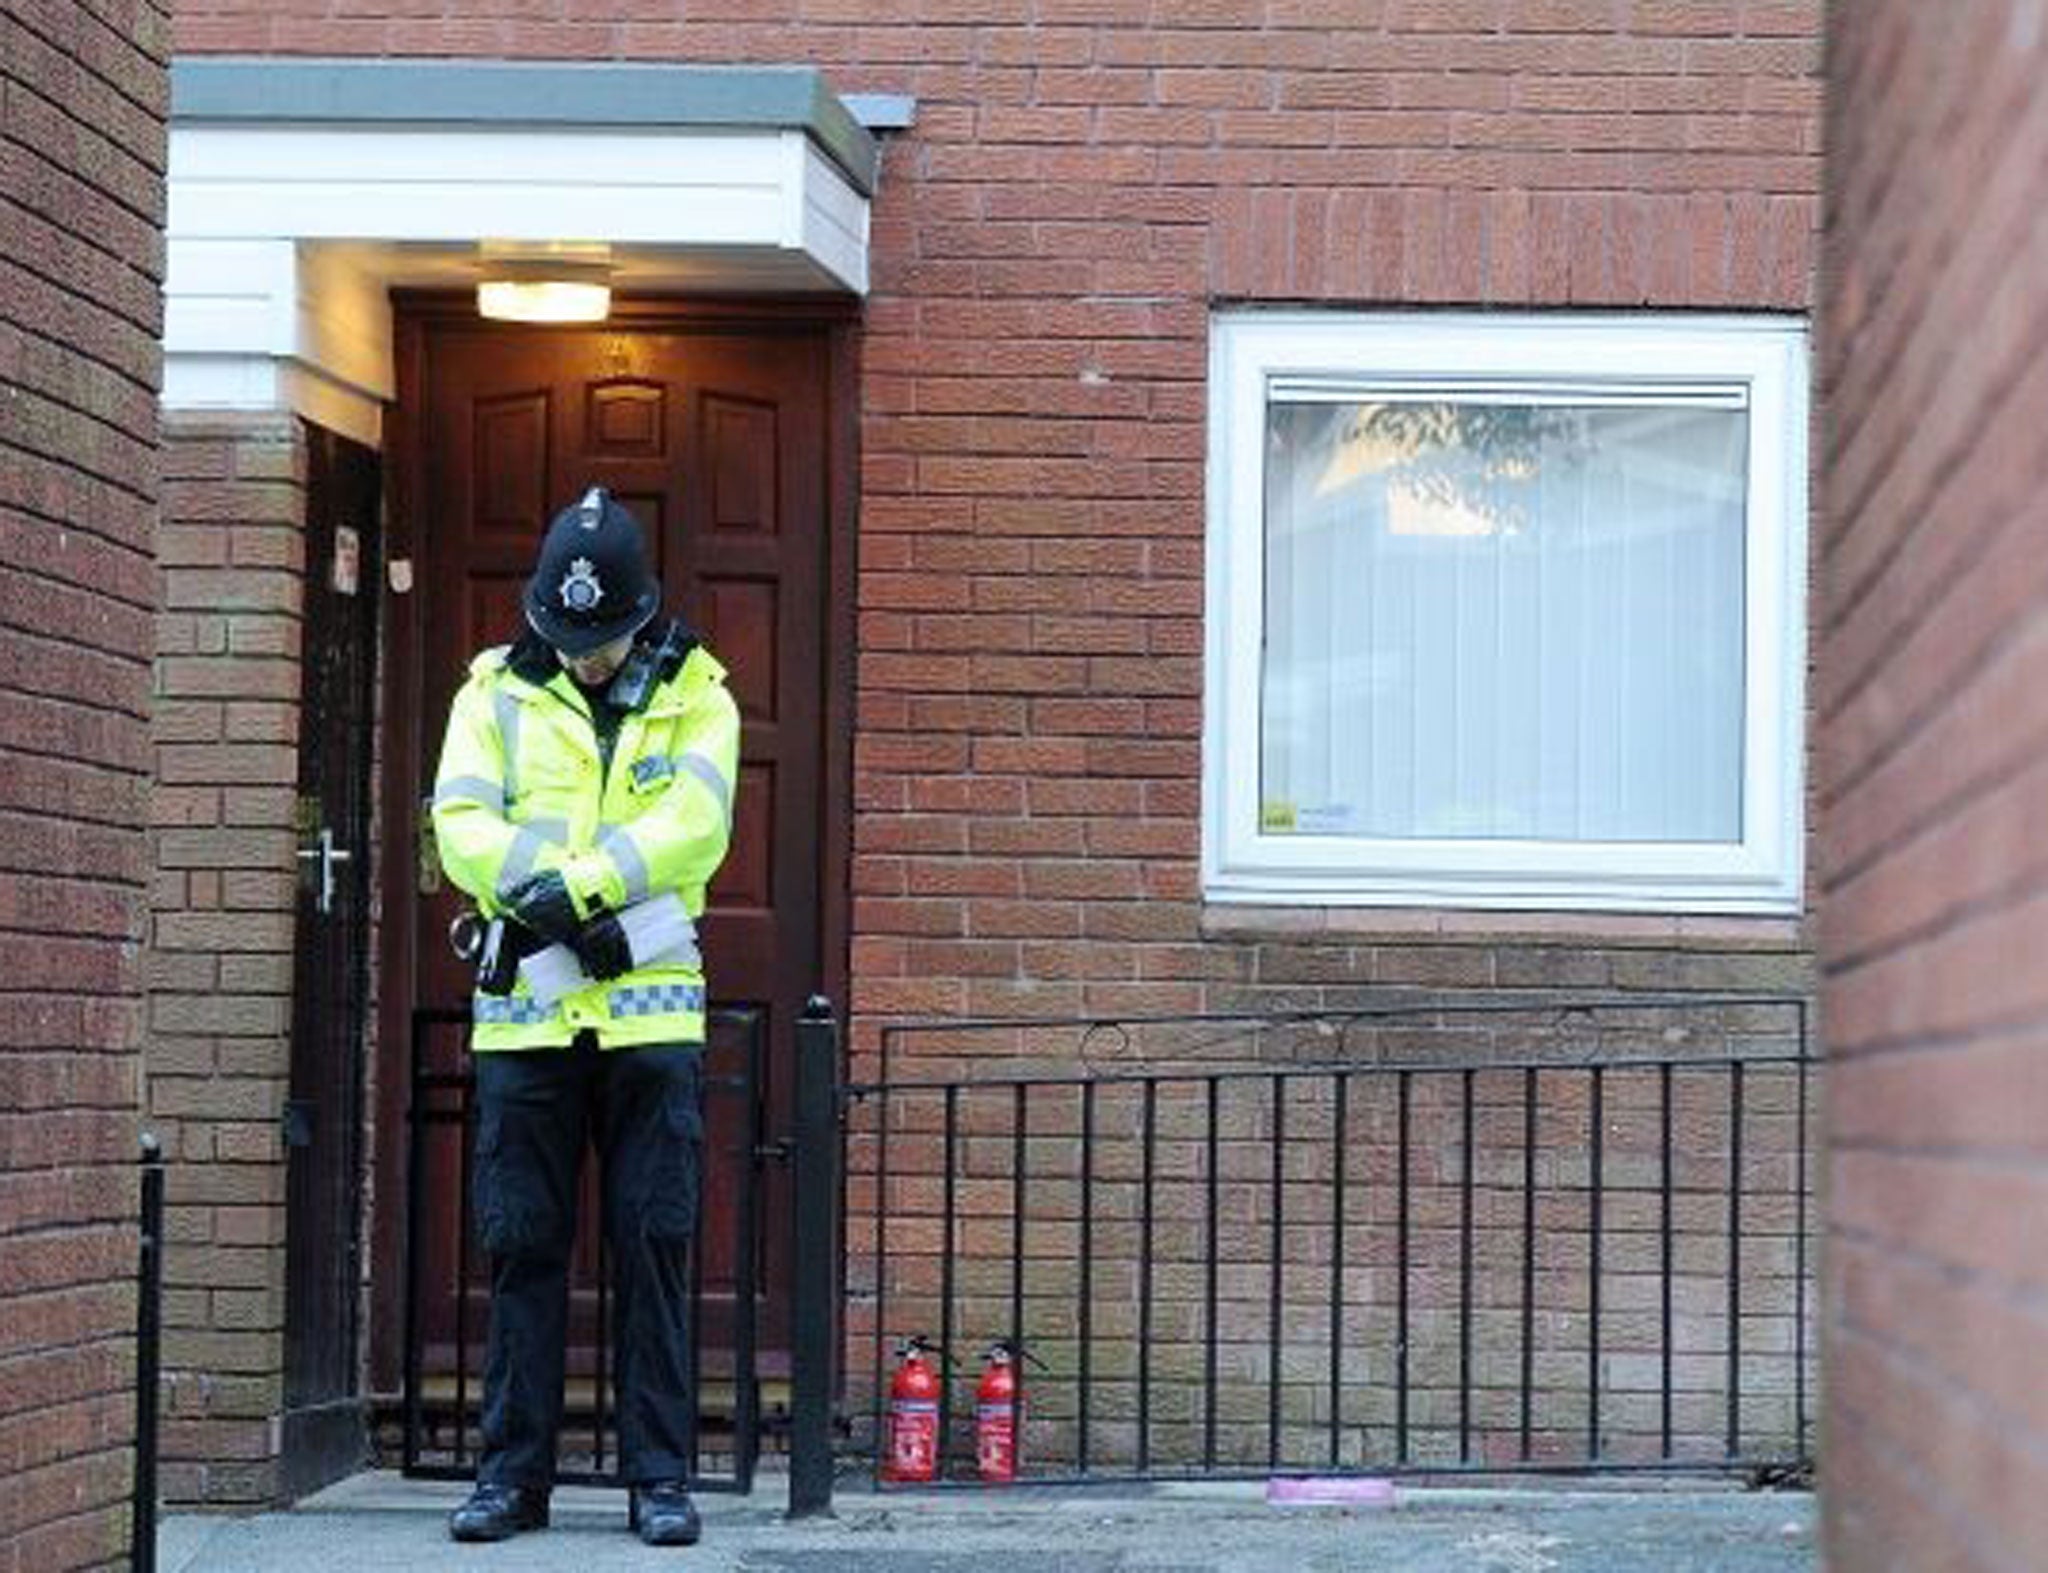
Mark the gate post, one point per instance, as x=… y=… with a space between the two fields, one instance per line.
x=149 y=1298
x=814 y=1275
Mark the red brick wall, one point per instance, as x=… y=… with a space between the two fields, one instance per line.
x=80 y=312
x=226 y=764
x=1082 y=182
x=1049 y=241
x=1933 y=739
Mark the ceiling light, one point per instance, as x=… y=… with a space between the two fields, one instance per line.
x=543 y=290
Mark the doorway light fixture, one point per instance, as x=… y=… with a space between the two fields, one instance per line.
x=543 y=290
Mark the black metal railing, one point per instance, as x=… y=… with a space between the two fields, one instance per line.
x=149 y=1324
x=445 y=1275
x=1567 y=1235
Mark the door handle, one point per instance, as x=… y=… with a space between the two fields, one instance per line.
x=329 y=855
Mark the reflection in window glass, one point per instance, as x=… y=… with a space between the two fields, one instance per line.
x=1503 y=620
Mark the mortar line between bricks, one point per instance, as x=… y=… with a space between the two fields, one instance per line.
x=1871 y=1434
x=124 y=659
x=2018 y=1033
x=105 y=538
x=151 y=174
x=1942 y=812
x=100 y=424
x=70 y=463
x=42 y=1352
x=10 y=815
x=2005 y=1030
x=123 y=1395
x=143 y=385
x=125 y=45
x=2025 y=1297
x=69 y=758
x=147 y=333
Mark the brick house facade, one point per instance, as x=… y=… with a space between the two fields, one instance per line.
x=1930 y=737
x=80 y=318
x=1082 y=188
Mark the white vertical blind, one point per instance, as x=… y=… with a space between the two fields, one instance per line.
x=1495 y=612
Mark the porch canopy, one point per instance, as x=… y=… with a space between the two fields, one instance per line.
x=302 y=191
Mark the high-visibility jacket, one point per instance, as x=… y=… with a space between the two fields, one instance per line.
x=522 y=789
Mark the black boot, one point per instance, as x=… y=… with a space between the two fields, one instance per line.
x=497 y=1512
x=662 y=1514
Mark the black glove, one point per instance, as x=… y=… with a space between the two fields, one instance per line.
x=540 y=903
x=602 y=947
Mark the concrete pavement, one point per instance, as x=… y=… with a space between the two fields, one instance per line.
x=381 y=1521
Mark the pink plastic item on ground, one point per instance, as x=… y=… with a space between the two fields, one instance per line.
x=1329 y=1491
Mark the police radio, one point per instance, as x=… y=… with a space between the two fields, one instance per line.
x=649 y=666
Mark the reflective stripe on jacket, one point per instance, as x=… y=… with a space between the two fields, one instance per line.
x=521 y=789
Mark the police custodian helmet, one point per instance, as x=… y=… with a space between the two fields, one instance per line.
x=591 y=584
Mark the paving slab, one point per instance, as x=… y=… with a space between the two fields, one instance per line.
x=379 y=1520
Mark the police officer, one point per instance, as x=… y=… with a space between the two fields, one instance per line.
x=588 y=770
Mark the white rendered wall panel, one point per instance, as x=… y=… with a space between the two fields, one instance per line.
x=835 y=221
x=474 y=185
x=228 y=295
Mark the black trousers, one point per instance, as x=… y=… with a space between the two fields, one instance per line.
x=536 y=1111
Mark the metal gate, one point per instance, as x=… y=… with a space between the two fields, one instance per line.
x=446 y=1313
x=1550 y=1235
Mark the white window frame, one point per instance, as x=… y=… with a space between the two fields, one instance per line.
x=1251 y=350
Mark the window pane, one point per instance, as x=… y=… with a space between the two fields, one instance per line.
x=1489 y=620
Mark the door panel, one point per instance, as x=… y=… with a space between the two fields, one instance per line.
x=716 y=441
x=747 y=882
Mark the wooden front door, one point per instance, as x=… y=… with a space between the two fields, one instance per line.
x=717 y=436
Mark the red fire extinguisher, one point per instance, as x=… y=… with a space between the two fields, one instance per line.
x=912 y=1453
x=998 y=1416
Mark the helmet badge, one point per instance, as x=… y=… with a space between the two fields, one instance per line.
x=580 y=590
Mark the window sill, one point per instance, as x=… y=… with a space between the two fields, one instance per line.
x=1231 y=920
